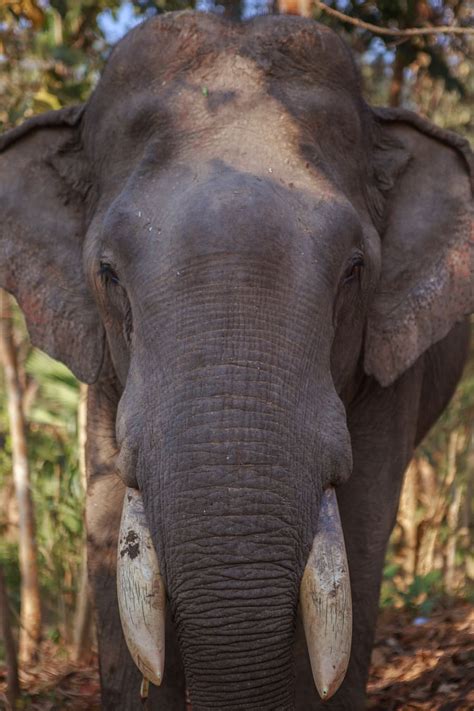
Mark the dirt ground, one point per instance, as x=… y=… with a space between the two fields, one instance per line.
x=424 y=667
x=417 y=665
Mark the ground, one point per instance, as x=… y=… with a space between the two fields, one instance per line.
x=424 y=667
x=417 y=665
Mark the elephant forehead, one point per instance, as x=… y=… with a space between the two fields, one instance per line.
x=170 y=46
x=193 y=80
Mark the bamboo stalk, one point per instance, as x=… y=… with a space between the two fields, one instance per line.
x=452 y=519
x=83 y=615
x=30 y=634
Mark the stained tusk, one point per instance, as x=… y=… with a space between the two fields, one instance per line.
x=140 y=590
x=325 y=598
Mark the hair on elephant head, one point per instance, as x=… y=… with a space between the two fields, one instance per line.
x=251 y=250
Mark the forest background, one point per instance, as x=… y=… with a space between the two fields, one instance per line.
x=51 y=55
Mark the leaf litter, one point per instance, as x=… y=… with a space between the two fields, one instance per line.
x=417 y=665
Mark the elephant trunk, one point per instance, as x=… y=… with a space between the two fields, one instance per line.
x=244 y=431
x=236 y=625
x=232 y=551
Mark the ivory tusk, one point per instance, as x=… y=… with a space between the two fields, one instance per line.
x=140 y=590
x=325 y=598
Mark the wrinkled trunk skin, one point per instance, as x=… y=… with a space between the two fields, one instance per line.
x=232 y=556
x=239 y=454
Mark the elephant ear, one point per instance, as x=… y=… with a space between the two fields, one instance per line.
x=42 y=196
x=424 y=178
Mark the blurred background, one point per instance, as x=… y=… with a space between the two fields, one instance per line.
x=51 y=55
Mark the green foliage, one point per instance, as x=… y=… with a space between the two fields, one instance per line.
x=58 y=392
x=400 y=14
x=52 y=60
x=420 y=597
x=59 y=503
x=437 y=74
x=57 y=490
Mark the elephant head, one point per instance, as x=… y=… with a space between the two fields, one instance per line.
x=245 y=237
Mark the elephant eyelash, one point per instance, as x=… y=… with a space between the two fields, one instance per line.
x=108 y=274
x=355 y=268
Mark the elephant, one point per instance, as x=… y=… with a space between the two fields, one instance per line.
x=265 y=283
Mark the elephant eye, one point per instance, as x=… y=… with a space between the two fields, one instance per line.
x=354 y=269
x=107 y=273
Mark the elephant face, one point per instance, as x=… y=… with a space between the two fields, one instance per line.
x=231 y=222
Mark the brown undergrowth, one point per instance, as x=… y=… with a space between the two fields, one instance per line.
x=415 y=667
x=424 y=667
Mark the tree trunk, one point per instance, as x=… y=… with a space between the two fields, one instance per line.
x=437 y=506
x=432 y=519
x=396 y=85
x=407 y=520
x=13 y=685
x=452 y=520
x=30 y=634
x=232 y=9
x=467 y=520
x=9 y=512
x=84 y=616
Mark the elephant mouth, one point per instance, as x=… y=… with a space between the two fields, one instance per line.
x=325 y=597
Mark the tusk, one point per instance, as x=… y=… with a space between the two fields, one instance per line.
x=140 y=590
x=325 y=598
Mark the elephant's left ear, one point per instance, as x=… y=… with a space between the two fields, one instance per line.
x=424 y=200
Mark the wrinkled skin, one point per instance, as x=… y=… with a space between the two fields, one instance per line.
x=265 y=280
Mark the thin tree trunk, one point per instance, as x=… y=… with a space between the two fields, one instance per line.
x=452 y=521
x=13 y=685
x=438 y=509
x=9 y=512
x=468 y=509
x=432 y=520
x=232 y=9
x=30 y=633
x=396 y=85
x=83 y=617
x=416 y=11
x=408 y=522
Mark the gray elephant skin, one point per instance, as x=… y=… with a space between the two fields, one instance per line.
x=265 y=282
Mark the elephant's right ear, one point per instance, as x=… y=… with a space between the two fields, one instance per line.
x=42 y=196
